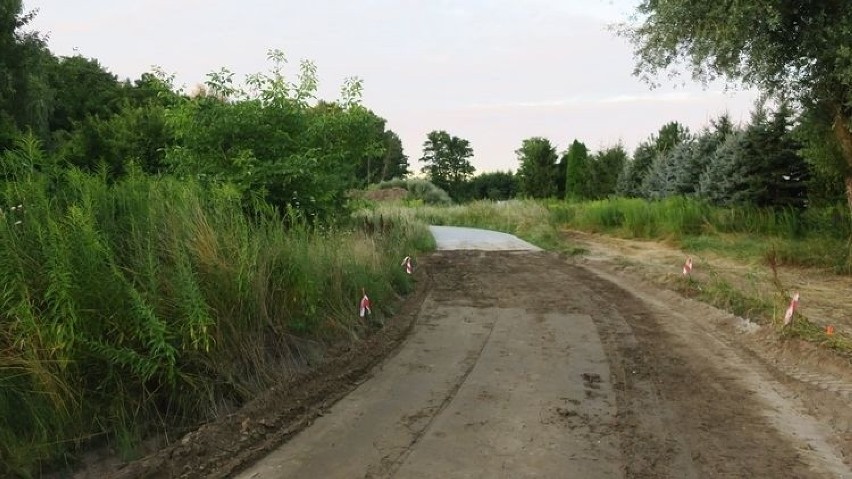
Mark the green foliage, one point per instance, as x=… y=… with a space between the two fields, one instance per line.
x=577 y=171
x=537 y=171
x=269 y=141
x=82 y=88
x=495 y=186
x=777 y=45
x=670 y=136
x=813 y=237
x=138 y=134
x=24 y=87
x=632 y=177
x=605 y=168
x=659 y=181
x=823 y=152
x=447 y=162
x=651 y=173
x=394 y=161
x=758 y=166
x=419 y=190
x=146 y=303
x=794 y=50
x=698 y=154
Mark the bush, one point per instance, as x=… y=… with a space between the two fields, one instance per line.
x=419 y=190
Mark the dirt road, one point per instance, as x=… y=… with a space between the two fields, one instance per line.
x=521 y=364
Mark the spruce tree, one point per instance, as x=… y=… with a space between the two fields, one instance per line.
x=577 y=181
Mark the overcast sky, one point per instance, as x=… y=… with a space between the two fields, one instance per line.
x=491 y=71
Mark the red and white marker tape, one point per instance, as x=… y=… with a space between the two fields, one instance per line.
x=794 y=304
x=365 y=305
x=407 y=263
x=687 y=267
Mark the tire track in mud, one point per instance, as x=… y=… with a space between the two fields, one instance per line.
x=819 y=381
x=389 y=465
x=649 y=449
x=739 y=368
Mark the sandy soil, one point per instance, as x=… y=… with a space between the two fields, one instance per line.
x=825 y=297
x=528 y=364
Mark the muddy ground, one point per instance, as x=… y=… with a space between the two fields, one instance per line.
x=508 y=364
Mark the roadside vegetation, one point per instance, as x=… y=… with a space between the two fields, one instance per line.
x=811 y=237
x=166 y=254
x=137 y=305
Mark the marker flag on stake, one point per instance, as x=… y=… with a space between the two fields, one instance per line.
x=788 y=316
x=687 y=267
x=407 y=263
x=365 y=305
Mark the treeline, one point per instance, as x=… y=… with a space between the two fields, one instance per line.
x=781 y=158
x=269 y=135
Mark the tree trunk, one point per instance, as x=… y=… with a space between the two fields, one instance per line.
x=844 y=137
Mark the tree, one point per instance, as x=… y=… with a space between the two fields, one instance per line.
x=82 y=87
x=494 y=186
x=789 y=48
x=561 y=179
x=727 y=173
x=670 y=136
x=24 y=90
x=688 y=172
x=633 y=174
x=270 y=142
x=632 y=180
x=661 y=178
x=577 y=171
x=606 y=166
x=759 y=165
x=447 y=162
x=138 y=134
x=353 y=133
x=394 y=162
x=820 y=148
x=537 y=172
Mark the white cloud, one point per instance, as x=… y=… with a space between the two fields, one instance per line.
x=588 y=101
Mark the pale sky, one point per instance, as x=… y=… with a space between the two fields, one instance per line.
x=492 y=71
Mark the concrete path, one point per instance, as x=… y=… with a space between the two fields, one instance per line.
x=457 y=238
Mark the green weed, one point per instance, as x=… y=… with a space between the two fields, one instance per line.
x=151 y=303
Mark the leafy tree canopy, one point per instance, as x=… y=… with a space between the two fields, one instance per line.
x=795 y=49
x=447 y=162
x=537 y=172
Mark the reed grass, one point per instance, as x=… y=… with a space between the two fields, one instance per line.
x=146 y=304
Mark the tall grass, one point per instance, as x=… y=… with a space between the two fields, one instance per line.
x=813 y=237
x=153 y=303
x=529 y=220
